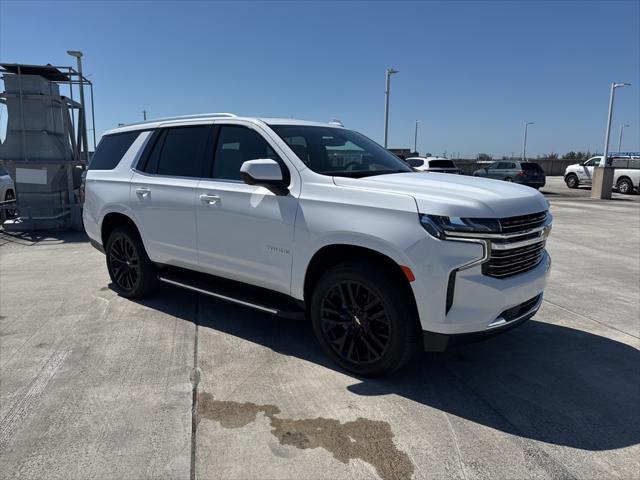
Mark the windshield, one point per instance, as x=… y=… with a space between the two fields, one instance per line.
x=339 y=152
x=415 y=162
x=441 y=164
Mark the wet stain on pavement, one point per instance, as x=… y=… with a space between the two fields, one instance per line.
x=367 y=440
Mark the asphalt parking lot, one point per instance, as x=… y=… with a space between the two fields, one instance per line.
x=93 y=385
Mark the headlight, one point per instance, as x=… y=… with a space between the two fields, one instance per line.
x=437 y=225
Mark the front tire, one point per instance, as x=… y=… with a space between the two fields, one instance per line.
x=132 y=272
x=572 y=180
x=625 y=186
x=363 y=321
x=508 y=179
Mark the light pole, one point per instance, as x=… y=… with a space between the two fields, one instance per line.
x=144 y=115
x=82 y=123
x=524 y=143
x=415 y=138
x=602 y=176
x=622 y=127
x=390 y=71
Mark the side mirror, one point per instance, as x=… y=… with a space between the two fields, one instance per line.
x=264 y=172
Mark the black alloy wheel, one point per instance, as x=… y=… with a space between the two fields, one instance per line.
x=124 y=263
x=355 y=322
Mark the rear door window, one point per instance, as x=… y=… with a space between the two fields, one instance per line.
x=181 y=152
x=111 y=149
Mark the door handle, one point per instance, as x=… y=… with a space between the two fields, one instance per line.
x=143 y=192
x=209 y=199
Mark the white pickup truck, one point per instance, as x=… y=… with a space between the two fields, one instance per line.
x=626 y=177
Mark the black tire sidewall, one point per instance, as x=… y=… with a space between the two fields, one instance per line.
x=394 y=299
x=572 y=181
x=625 y=181
x=148 y=273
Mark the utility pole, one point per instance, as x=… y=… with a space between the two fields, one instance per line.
x=415 y=138
x=622 y=127
x=390 y=71
x=602 y=176
x=144 y=114
x=524 y=143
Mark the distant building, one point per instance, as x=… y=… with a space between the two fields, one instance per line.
x=403 y=152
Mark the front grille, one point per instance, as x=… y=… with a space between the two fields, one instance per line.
x=522 y=222
x=505 y=262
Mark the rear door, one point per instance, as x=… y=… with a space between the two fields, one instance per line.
x=245 y=232
x=163 y=193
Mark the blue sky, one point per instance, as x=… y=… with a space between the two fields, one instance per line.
x=471 y=72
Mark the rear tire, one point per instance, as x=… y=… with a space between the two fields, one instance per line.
x=363 y=321
x=508 y=179
x=572 y=180
x=10 y=213
x=625 y=186
x=132 y=272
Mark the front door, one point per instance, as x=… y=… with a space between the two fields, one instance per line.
x=245 y=232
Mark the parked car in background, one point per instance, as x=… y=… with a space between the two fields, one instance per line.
x=433 y=164
x=626 y=177
x=525 y=173
x=7 y=193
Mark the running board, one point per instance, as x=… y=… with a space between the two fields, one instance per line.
x=256 y=298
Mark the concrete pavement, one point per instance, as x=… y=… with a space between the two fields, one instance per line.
x=93 y=385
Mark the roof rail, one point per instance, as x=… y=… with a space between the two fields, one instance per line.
x=185 y=117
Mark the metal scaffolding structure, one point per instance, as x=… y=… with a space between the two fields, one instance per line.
x=46 y=149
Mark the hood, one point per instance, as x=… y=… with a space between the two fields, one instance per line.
x=455 y=195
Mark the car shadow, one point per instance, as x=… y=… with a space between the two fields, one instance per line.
x=43 y=237
x=540 y=381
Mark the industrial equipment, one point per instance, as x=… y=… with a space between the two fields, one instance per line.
x=45 y=149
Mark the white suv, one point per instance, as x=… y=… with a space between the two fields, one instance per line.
x=299 y=218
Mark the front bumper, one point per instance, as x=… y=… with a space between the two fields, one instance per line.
x=471 y=302
x=439 y=342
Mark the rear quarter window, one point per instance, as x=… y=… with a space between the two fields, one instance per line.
x=111 y=149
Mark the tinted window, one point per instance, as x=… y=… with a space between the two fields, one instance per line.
x=235 y=146
x=182 y=151
x=531 y=167
x=414 y=162
x=111 y=149
x=152 y=158
x=493 y=165
x=341 y=152
x=441 y=164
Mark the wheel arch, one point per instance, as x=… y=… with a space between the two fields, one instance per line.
x=335 y=254
x=113 y=220
x=625 y=177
